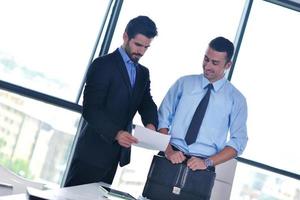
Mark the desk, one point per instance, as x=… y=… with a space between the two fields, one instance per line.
x=81 y=192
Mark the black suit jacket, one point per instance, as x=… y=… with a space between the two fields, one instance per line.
x=109 y=105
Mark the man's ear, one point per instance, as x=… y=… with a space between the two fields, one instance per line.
x=125 y=37
x=228 y=65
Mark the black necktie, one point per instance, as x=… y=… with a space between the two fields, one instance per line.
x=196 y=122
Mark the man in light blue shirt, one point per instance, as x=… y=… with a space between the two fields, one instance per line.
x=226 y=113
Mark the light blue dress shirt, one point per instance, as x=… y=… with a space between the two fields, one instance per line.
x=226 y=113
x=130 y=65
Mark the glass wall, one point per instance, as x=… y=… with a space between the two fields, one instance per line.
x=35 y=138
x=46 y=45
x=267 y=72
x=257 y=184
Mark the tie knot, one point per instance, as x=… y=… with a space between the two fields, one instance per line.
x=209 y=86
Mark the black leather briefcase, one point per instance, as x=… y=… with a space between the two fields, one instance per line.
x=167 y=181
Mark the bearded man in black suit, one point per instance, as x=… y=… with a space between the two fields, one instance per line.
x=117 y=86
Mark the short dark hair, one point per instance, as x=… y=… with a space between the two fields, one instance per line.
x=143 y=25
x=222 y=44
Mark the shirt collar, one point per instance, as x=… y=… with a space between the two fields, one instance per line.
x=125 y=57
x=217 y=85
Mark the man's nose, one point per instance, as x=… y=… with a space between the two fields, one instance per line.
x=207 y=65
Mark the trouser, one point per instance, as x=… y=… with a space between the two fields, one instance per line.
x=81 y=172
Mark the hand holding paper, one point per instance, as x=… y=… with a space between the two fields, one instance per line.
x=150 y=139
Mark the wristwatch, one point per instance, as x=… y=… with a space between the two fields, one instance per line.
x=208 y=162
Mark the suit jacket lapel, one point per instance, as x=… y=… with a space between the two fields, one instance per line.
x=139 y=82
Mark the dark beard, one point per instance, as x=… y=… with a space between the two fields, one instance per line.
x=135 y=60
x=130 y=55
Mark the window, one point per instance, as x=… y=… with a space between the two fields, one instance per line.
x=37 y=143
x=46 y=45
x=267 y=73
x=254 y=183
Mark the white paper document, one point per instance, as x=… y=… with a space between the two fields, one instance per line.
x=150 y=139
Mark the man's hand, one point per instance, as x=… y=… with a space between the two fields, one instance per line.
x=151 y=126
x=174 y=156
x=195 y=163
x=125 y=139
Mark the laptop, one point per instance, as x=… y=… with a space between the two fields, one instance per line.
x=109 y=192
